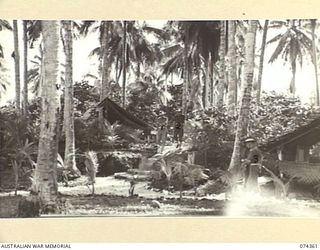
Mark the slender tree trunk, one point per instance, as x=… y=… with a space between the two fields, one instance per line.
x=263 y=46
x=232 y=69
x=315 y=63
x=243 y=119
x=119 y=70
x=25 y=69
x=207 y=89
x=45 y=178
x=105 y=70
x=212 y=85
x=293 y=82
x=222 y=68
x=138 y=70
x=69 y=157
x=17 y=65
x=124 y=63
x=105 y=91
x=186 y=72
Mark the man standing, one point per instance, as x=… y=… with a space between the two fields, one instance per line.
x=252 y=165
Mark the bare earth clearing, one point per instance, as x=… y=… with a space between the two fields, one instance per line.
x=111 y=199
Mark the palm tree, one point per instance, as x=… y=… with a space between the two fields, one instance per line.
x=314 y=58
x=243 y=118
x=45 y=178
x=222 y=55
x=124 y=63
x=69 y=159
x=195 y=42
x=104 y=53
x=16 y=57
x=25 y=68
x=263 y=46
x=232 y=69
x=292 y=45
x=3 y=70
x=4 y=25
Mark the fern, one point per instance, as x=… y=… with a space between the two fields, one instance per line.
x=92 y=166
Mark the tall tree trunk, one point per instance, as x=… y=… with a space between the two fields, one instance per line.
x=25 y=69
x=212 y=85
x=185 y=88
x=124 y=63
x=45 y=178
x=69 y=156
x=105 y=69
x=105 y=91
x=293 y=81
x=315 y=63
x=138 y=70
x=207 y=84
x=222 y=68
x=243 y=118
x=232 y=69
x=119 y=70
x=263 y=46
x=17 y=65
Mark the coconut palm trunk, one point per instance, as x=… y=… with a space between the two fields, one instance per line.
x=243 y=118
x=25 y=69
x=105 y=69
x=69 y=157
x=315 y=63
x=124 y=63
x=17 y=65
x=293 y=81
x=105 y=88
x=45 y=178
x=222 y=68
x=207 y=84
x=261 y=60
x=185 y=87
x=232 y=69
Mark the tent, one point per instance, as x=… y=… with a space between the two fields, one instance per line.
x=113 y=112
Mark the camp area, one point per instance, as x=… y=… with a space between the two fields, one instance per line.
x=159 y=118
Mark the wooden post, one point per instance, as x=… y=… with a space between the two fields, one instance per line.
x=280 y=154
x=299 y=154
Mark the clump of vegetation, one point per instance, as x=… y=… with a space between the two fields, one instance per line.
x=92 y=166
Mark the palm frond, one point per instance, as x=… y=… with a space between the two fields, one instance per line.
x=169 y=51
x=158 y=32
x=280 y=47
x=4 y=24
x=277 y=24
x=276 y=38
x=1 y=52
x=96 y=52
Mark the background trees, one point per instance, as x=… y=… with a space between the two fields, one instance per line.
x=185 y=67
x=293 y=45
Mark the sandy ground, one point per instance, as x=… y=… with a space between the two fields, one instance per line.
x=111 y=199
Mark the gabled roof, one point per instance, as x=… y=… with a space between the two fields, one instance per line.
x=308 y=134
x=113 y=112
